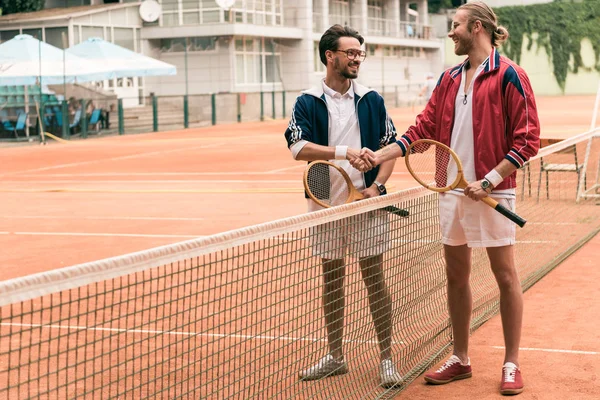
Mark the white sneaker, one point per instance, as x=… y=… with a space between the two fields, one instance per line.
x=390 y=377
x=326 y=366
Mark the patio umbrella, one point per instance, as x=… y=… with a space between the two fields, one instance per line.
x=124 y=62
x=24 y=60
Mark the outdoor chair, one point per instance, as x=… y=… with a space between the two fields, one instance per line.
x=95 y=119
x=19 y=126
x=546 y=168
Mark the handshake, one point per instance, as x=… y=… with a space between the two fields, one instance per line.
x=364 y=159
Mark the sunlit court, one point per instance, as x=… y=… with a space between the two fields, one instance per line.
x=269 y=199
x=222 y=326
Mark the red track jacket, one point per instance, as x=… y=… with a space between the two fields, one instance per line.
x=505 y=120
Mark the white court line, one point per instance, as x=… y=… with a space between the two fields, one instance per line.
x=275 y=171
x=218 y=174
x=593 y=353
x=101 y=218
x=127 y=181
x=102 y=234
x=152 y=153
x=179 y=333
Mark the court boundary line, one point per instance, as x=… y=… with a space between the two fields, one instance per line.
x=113 y=218
x=181 y=333
x=586 y=352
x=142 y=235
x=76 y=164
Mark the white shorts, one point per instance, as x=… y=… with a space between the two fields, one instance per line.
x=464 y=221
x=363 y=235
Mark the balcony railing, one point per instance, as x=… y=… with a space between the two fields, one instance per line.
x=398 y=29
x=175 y=16
x=377 y=26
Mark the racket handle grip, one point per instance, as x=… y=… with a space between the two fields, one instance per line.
x=396 y=211
x=504 y=211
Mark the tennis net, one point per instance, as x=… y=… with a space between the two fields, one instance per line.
x=238 y=315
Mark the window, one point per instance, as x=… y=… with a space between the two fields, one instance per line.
x=371 y=49
x=7 y=35
x=195 y=44
x=54 y=36
x=124 y=38
x=319 y=67
x=36 y=33
x=257 y=61
x=339 y=12
x=91 y=31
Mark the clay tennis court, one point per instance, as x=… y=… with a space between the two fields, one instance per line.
x=66 y=204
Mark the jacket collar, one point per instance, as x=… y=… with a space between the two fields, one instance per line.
x=359 y=90
x=490 y=64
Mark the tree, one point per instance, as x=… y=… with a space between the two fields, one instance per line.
x=436 y=6
x=18 y=6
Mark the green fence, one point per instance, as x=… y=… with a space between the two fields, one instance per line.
x=75 y=118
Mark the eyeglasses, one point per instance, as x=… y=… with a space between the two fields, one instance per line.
x=354 y=54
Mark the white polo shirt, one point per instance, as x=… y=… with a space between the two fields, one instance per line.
x=343 y=130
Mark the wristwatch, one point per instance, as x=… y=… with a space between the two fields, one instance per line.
x=380 y=187
x=486 y=185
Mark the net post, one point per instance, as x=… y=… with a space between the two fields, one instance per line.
x=273 y=104
x=239 y=108
x=283 y=103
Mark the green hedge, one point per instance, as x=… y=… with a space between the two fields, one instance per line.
x=561 y=26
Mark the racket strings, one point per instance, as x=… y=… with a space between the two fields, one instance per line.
x=432 y=165
x=327 y=184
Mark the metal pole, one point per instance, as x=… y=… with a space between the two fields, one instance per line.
x=213 y=103
x=121 y=117
x=84 y=120
x=41 y=103
x=260 y=52
x=186 y=65
x=154 y=113
x=64 y=42
x=186 y=120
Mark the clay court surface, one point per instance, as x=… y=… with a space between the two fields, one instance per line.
x=65 y=204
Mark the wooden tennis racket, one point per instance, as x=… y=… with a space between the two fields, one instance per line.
x=329 y=185
x=437 y=167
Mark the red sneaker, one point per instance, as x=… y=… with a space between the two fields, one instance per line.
x=452 y=370
x=512 y=382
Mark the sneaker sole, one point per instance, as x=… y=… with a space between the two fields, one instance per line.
x=510 y=392
x=339 y=371
x=456 y=378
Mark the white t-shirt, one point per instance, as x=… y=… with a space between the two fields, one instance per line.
x=462 y=132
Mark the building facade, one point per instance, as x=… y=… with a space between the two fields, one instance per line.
x=257 y=45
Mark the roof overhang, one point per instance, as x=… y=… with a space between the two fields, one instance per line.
x=164 y=32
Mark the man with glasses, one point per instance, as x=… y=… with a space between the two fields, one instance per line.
x=332 y=122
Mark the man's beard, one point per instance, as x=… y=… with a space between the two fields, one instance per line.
x=464 y=46
x=345 y=72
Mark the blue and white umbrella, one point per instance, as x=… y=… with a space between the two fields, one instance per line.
x=124 y=62
x=24 y=59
